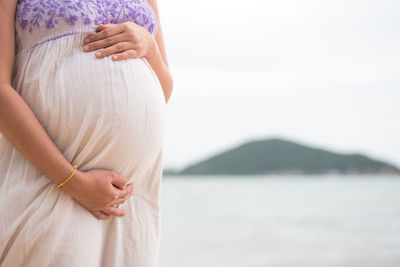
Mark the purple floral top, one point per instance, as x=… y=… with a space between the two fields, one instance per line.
x=56 y=15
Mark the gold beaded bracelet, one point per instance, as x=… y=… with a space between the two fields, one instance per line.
x=66 y=180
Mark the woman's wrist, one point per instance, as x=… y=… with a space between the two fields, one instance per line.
x=73 y=184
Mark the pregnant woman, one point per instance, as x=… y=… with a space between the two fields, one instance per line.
x=83 y=88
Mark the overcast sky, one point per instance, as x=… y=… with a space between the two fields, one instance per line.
x=323 y=73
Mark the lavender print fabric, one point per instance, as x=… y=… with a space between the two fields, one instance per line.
x=31 y=14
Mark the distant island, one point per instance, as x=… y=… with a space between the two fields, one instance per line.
x=278 y=156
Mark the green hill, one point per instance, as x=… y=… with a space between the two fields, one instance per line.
x=277 y=156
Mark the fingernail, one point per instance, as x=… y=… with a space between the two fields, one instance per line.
x=98 y=53
x=86 y=41
x=86 y=48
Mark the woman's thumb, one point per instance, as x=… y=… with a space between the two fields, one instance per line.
x=119 y=181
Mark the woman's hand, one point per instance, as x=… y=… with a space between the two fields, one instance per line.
x=124 y=40
x=98 y=191
x=130 y=40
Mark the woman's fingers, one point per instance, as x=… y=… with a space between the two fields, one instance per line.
x=102 y=43
x=100 y=215
x=130 y=188
x=107 y=212
x=131 y=53
x=116 y=48
x=123 y=193
x=104 y=33
x=122 y=199
x=114 y=211
x=119 y=181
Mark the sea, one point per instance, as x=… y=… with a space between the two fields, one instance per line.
x=280 y=221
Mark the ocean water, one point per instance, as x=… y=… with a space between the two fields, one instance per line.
x=341 y=221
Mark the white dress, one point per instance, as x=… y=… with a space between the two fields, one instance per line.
x=101 y=114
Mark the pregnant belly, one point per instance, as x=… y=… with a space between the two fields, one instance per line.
x=99 y=112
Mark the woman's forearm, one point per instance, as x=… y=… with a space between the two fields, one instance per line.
x=162 y=71
x=22 y=129
x=157 y=56
x=18 y=123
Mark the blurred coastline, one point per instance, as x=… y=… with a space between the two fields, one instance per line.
x=276 y=156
